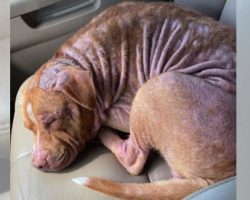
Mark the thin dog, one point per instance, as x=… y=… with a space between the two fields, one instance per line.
x=164 y=74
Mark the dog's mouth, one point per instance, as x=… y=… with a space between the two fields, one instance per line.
x=50 y=163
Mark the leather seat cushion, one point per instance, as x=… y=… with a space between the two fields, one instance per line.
x=224 y=190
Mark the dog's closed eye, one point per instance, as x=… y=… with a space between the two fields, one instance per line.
x=48 y=121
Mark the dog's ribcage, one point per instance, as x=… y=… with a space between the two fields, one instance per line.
x=123 y=52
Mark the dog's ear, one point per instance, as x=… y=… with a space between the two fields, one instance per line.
x=77 y=85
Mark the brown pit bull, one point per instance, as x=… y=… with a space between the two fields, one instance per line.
x=162 y=73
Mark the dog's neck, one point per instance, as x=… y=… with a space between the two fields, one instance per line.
x=110 y=80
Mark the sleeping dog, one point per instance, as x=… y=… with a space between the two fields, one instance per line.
x=162 y=73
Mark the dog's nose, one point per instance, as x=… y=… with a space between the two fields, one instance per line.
x=39 y=159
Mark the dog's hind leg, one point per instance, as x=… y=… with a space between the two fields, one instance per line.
x=190 y=121
x=128 y=152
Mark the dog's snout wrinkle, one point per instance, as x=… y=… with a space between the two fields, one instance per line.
x=60 y=155
x=70 y=141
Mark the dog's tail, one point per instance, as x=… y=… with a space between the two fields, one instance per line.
x=174 y=189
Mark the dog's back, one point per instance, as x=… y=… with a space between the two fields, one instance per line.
x=133 y=42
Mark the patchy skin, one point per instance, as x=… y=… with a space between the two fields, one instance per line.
x=162 y=73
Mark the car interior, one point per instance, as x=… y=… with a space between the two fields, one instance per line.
x=37 y=30
x=4 y=100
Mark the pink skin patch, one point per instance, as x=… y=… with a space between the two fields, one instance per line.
x=175 y=174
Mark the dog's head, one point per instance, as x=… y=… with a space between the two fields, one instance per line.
x=58 y=106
